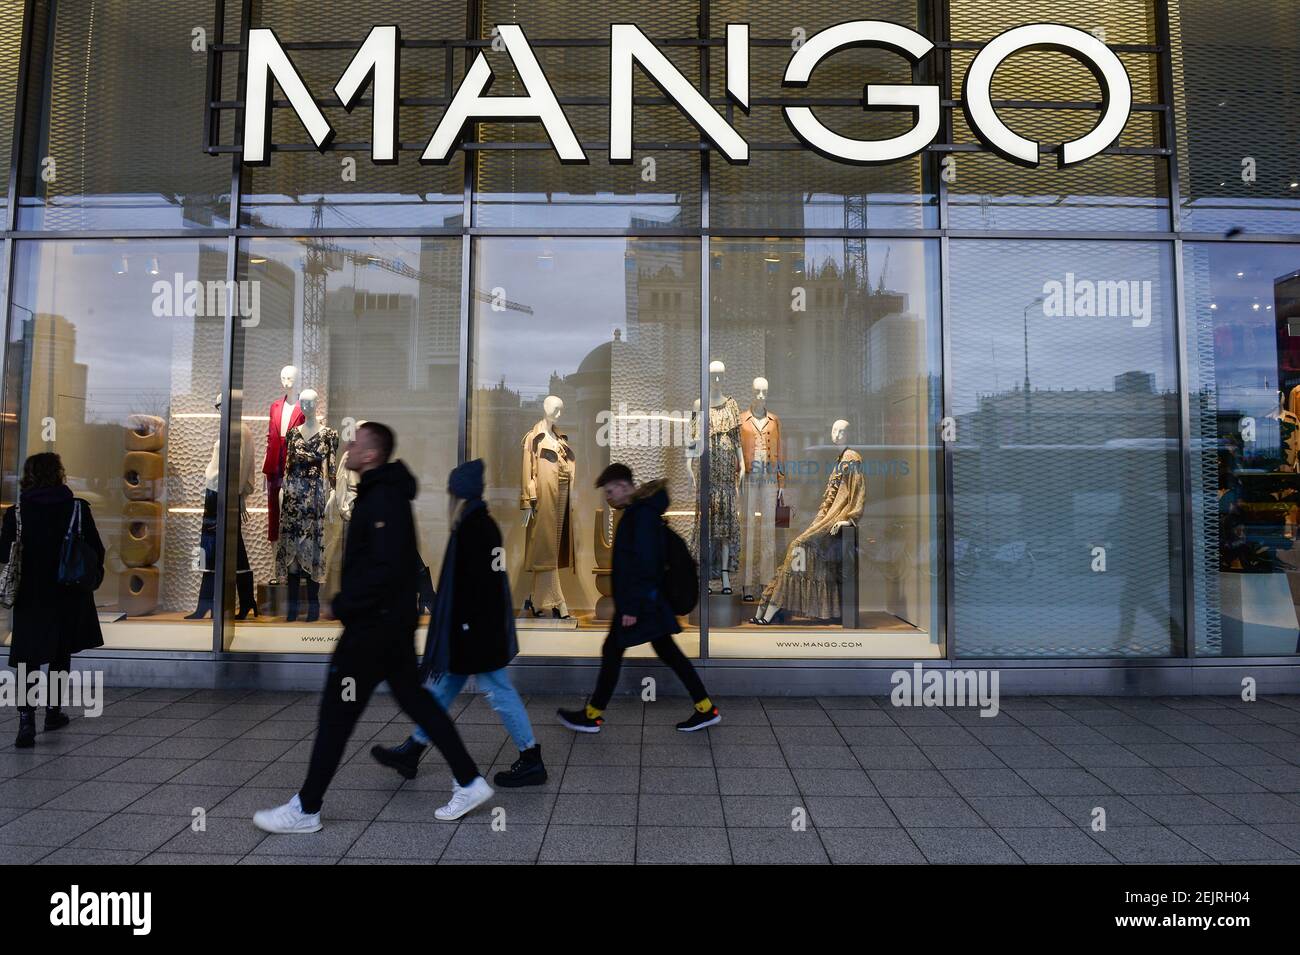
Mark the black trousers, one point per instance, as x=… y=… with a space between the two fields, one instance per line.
x=60 y=664
x=611 y=661
x=208 y=544
x=368 y=658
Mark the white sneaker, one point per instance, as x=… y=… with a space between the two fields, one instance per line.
x=288 y=818
x=465 y=799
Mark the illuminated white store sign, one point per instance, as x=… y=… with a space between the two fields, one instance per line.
x=376 y=64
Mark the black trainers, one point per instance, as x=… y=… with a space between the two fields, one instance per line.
x=404 y=758
x=26 y=737
x=527 y=770
x=55 y=718
x=579 y=721
x=698 y=720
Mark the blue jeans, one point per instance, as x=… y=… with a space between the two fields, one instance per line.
x=501 y=696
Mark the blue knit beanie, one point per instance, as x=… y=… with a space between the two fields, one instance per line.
x=466 y=481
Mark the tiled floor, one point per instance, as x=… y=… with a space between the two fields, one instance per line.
x=1207 y=779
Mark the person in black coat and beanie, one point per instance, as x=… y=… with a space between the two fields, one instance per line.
x=377 y=604
x=472 y=632
x=51 y=621
x=642 y=613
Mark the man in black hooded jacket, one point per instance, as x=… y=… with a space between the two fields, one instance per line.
x=642 y=613
x=377 y=604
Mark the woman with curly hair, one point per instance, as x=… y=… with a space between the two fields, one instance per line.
x=50 y=620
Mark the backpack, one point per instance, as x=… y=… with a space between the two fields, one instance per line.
x=681 y=583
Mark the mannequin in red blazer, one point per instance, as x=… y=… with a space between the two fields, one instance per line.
x=277 y=430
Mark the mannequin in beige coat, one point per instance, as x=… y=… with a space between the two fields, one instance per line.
x=546 y=498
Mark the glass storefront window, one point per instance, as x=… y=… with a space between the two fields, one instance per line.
x=824 y=401
x=585 y=352
x=347 y=330
x=113 y=361
x=1243 y=315
x=1066 y=506
x=111 y=145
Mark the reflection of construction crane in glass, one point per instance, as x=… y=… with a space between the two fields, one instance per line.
x=324 y=256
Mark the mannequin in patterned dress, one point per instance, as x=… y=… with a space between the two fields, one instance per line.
x=310 y=463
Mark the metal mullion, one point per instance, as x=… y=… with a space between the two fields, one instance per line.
x=947 y=454
x=469 y=165
x=1186 y=486
x=705 y=318
x=20 y=113
x=1169 y=129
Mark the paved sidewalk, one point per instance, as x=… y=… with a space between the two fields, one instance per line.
x=1208 y=779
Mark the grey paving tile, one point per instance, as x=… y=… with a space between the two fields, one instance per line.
x=682 y=845
x=1072 y=734
x=115 y=744
x=74 y=856
x=1146 y=844
x=247 y=749
x=965 y=756
x=761 y=811
x=939 y=812
x=875 y=736
x=188 y=858
x=1288 y=834
x=1055 y=846
x=600 y=809
x=776 y=846
x=1040 y=756
x=220 y=835
x=987 y=782
x=1213 y=779
x=666 y=809
x=598 y=844
x=1017 y=811
x=819 y=757
x=475 y=840
x=870 y=846
x=1129 y=781
x=1102 y=755
x=601 y=779
x=134 y=831
x=678 y=779
x=1278 y=779
x=27 y=793
x=49 y=827
x=850 y=812
x=18 y=762
x=792 y=737
x=293 y=730
x=611 y=755
x=1117 y=810
x=1064 y=782
x=217 y=772
x=833 y=782
x=1005 y=735
x=1170 y=754
x=843 y=718
x=330 y=843
x=180 y=748
x=1257 y=808
x=910 y=782
x=96 y=795
x=176 y=799
x=963 y=846
x=733 y=735
x=659 y=754
x=254 y=858
x=796 y=716
x=748 y=757
x=22 y=855
x=1182 y=809
x=1234 y=843
x=891 y=757
x=404 y=840
x=1240 y=754
x=756 y=782
x=76 y=767
x=217 y=728
x=141 y=769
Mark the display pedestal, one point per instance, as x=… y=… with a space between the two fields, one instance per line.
x=849 y=577
x=1258 y=615
x=527 y=621
x=277 y=599
x=725 y=610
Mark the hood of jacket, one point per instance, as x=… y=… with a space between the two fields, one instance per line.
x=393 y=473
x=653 y=494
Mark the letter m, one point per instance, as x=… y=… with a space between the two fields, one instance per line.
x=377 y=58
x=1115 y=295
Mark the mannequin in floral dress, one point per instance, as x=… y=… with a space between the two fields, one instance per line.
x=310 y=463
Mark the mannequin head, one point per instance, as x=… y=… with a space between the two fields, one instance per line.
x=307 y=402
x=553 y=407
x=288 y=377
x=839 y=432
x=716 y=370
x=760 y=392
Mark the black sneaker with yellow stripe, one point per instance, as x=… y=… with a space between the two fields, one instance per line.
x=579 y=721
x=698 y=720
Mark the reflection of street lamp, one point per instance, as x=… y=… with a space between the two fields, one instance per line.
x=1025 y=316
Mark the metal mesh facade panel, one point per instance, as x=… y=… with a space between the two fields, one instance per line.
x=11 y=37
x=126 y=143
x=1238 y=82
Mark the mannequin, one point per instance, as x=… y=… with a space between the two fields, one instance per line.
x=285 y=414
x=760 y=444
x=338 y=516
x=726 y=471
x=310 y=456
x=208 y=534
x=546 y=498
x=807 y=582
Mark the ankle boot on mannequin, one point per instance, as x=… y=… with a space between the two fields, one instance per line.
x=205 y=597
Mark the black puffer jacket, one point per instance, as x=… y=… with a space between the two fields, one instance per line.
x=381 y=561
x=638 y=571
